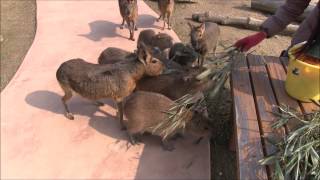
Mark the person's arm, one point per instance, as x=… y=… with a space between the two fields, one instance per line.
x=274 y=24
x=284 y=16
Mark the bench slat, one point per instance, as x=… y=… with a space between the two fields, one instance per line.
x=307 y=107
x=249 y=147
x=265 y=100
x=278 y=76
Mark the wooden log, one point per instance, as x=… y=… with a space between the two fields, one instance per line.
x=243 y=22
x=271 y=6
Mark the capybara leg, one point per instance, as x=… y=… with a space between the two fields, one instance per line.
x=169 y=22
x=65 y=98
x=196 y=142
x=164 y=24
x=135 y=26
x=131 y=30
x=120 y=111
x=98 y=103
x=159 y=18
x=132 y=138
x=122 y=24
x=167 y=146
x=177 y=136
x=202 y=60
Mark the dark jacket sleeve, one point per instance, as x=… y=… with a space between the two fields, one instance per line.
x=284 y=16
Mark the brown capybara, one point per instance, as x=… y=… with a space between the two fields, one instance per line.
x=115 y=81
x=166 y=8
x=113 y=55
x=184 y=55
x=204 y=39
x=129 y=13
x=176 y=84
x=145 y=110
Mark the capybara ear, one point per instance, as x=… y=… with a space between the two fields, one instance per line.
x=143 y=53
x=190 y=25
x=202 y=28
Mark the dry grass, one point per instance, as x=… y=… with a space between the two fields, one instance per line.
x=298 y=152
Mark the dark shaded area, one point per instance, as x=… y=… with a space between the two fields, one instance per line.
x=223 y=160
x=51 y=101
x=109 y=125
x=101 y=28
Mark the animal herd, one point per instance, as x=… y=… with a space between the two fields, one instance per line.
x=145 y=83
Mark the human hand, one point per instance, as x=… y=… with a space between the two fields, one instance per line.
x=248 y=42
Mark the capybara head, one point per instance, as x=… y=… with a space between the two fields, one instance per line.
x=196 y=35
x=153 y=66
x=184 y=55
x=200 y=124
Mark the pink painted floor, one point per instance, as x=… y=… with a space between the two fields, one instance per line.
x=37 y=141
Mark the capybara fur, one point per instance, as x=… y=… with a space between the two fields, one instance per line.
x=115 y=81
x=145 y=110
x=175 y=84
x=145 y=36
x=129 y=13
x=113 y=55
x=204 y=39
x=184 y=55
x=162 y=41
x=166 y=8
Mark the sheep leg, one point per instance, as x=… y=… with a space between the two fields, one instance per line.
x=120 y=111
x=167 y=146
x=65 y=98
x=122 y=24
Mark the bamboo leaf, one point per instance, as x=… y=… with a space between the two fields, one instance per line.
x=278 y=172
x=314 y=156
x=268 y=160
x=289 y=166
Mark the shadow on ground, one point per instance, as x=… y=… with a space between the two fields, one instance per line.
x=101 y=28
x=108 y=125
x=50 y=101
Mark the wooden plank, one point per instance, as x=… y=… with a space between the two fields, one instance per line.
x=265 y=100
x=277 y=75
x=285 y=62
x=307 y=107
x=249 y=147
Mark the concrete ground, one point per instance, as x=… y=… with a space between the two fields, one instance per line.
x=37 y=141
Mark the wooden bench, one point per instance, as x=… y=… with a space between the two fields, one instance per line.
x=257 y=85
